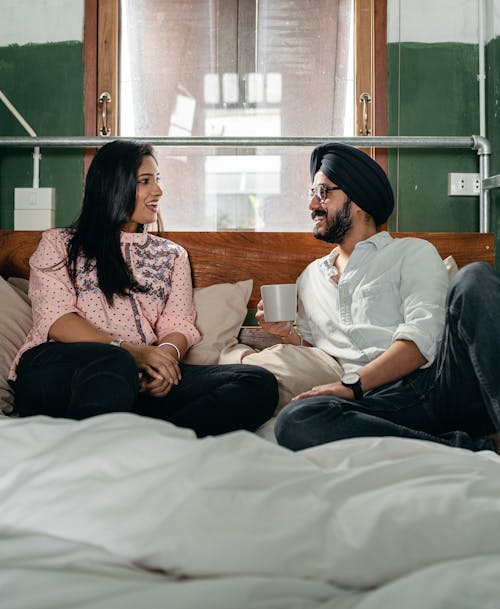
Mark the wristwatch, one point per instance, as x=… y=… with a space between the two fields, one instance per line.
x=353 y=381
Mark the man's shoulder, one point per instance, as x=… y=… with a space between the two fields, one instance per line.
x=412 y=244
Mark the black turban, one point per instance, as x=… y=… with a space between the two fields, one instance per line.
x=359 y=176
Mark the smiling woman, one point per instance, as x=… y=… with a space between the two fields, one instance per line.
x=114 y=316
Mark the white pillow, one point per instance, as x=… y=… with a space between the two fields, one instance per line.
x=221 y=309
x=15 y=323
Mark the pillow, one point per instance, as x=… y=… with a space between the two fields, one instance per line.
x=451 y=267
x=20 y=283
x=21 y=286
x=221 y=309
x=15 y=323
x=295 y=368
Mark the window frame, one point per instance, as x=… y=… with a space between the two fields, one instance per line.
x=101 y=57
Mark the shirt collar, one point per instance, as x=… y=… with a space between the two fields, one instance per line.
x=137 y=238
x=378 y=240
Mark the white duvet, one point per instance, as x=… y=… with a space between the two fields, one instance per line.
x=121 y=511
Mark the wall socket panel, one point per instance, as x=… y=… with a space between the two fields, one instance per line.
x=464 y=184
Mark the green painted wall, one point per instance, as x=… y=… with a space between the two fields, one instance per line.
x=45 y=83
x=432 y=90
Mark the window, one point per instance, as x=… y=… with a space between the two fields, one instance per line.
x=232 y=68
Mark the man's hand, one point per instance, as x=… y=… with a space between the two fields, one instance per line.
x=330 y=389
x=277 y=328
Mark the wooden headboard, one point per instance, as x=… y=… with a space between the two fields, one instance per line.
x=218 y=257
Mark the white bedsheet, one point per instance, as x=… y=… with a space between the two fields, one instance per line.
x=124 y=511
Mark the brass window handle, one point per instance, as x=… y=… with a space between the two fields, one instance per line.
x=104 y=99
x=365 y=99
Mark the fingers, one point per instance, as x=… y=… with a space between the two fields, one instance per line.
x=155 y=388
x=314 y=392
x=160 y=368
x=159 y=364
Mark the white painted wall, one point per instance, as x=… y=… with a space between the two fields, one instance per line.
x=441 y=20
x=25 y=21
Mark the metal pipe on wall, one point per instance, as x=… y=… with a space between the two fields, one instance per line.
x=479 y=143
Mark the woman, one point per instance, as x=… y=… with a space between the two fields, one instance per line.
x=113 y=316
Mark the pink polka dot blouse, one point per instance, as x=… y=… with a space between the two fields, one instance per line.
x=140 y=318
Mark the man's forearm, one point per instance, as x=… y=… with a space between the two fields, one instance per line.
x=400 y=359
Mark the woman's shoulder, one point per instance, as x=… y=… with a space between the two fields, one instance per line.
x=166 y=245
x=52 y=248
x=54 y=235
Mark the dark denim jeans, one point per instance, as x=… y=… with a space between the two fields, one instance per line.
x=81 y=380
x=455 y=401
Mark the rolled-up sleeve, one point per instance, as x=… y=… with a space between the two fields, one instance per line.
x=424 y=283
x=50 y=289
x=179 y=313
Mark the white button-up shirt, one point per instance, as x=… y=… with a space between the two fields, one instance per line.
x=390 y=289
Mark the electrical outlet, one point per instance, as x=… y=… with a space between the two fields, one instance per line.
x=464 y=184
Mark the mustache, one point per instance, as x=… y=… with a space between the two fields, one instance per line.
x=318 y=212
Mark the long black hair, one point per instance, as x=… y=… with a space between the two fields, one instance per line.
x=108 y=203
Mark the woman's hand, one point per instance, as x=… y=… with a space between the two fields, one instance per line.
x=337 y=389
x=156 y=388
x=159 y=365
x=277 y=328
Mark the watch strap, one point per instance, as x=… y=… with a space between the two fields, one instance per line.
x=356 y=388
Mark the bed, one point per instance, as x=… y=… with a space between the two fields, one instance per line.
x=121 y=511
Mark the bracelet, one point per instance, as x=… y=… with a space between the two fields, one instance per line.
x=174 y=346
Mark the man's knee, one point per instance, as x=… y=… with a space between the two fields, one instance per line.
x=308 y=422
x=473 y=275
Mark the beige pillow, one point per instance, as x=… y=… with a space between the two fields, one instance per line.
x=295 y=368
x=221 y=309
x=15 y=323
x=20 y=282
x=21 y=286
x=451 y=267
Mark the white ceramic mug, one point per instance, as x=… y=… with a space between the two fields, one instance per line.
x=280 y=301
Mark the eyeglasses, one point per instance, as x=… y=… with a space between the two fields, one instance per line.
x=320 y=191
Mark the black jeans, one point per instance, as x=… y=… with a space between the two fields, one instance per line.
x=456 y=401
x=81 y=380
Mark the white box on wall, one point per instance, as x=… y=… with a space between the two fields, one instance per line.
x=34 y=198
x=34 y=219
x=34 y=208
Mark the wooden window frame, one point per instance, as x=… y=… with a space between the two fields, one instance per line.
x=101 y=57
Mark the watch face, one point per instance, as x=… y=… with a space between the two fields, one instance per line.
x=350 y=378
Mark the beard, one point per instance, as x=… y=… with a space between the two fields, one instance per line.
x=337 y=227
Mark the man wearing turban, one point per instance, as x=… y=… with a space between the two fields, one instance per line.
x=378 y=305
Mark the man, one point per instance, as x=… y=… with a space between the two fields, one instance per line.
x=417 y=363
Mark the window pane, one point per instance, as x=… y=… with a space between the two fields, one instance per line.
x=236 y=68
